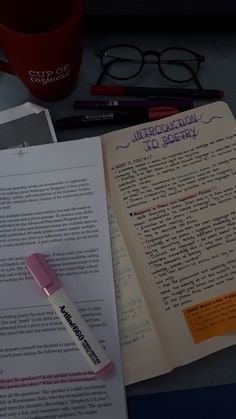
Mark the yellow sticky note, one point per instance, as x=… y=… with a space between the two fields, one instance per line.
x=212 y=317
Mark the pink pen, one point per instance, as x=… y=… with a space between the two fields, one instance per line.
x=69 y=314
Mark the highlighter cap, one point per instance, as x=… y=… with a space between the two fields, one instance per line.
x=42 y=273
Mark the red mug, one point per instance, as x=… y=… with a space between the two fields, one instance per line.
x=43 y=44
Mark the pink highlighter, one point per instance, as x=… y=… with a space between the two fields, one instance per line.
x=69 y=314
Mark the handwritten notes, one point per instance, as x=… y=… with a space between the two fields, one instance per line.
x=182 y=205
x=172 y=185
x=212 y=317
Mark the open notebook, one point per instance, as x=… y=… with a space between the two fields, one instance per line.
x=172 y=188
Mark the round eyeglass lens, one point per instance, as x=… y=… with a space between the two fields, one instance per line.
x=178 y=64
x=122 y=62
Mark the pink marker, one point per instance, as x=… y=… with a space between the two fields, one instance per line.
x=69 y=314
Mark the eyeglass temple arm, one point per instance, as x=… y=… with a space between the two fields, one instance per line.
x=190 y=70
x=105 y=68
x=101 y=76
x=195 y=78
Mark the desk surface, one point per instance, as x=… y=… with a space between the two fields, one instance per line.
x=218 y=72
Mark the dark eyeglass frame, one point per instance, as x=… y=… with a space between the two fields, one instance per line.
x=198 y=58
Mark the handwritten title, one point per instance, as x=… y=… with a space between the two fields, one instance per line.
x=163 y=134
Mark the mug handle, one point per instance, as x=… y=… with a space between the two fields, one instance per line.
x=4 y=66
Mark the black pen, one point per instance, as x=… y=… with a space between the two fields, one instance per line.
x=114 y=104
x=135 y=116
x=98 y=89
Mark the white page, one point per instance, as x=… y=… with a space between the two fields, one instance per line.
x=53 y=201
x=137 y=331
x=156 y=175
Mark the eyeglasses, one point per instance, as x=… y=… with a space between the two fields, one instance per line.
x=123 y=62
